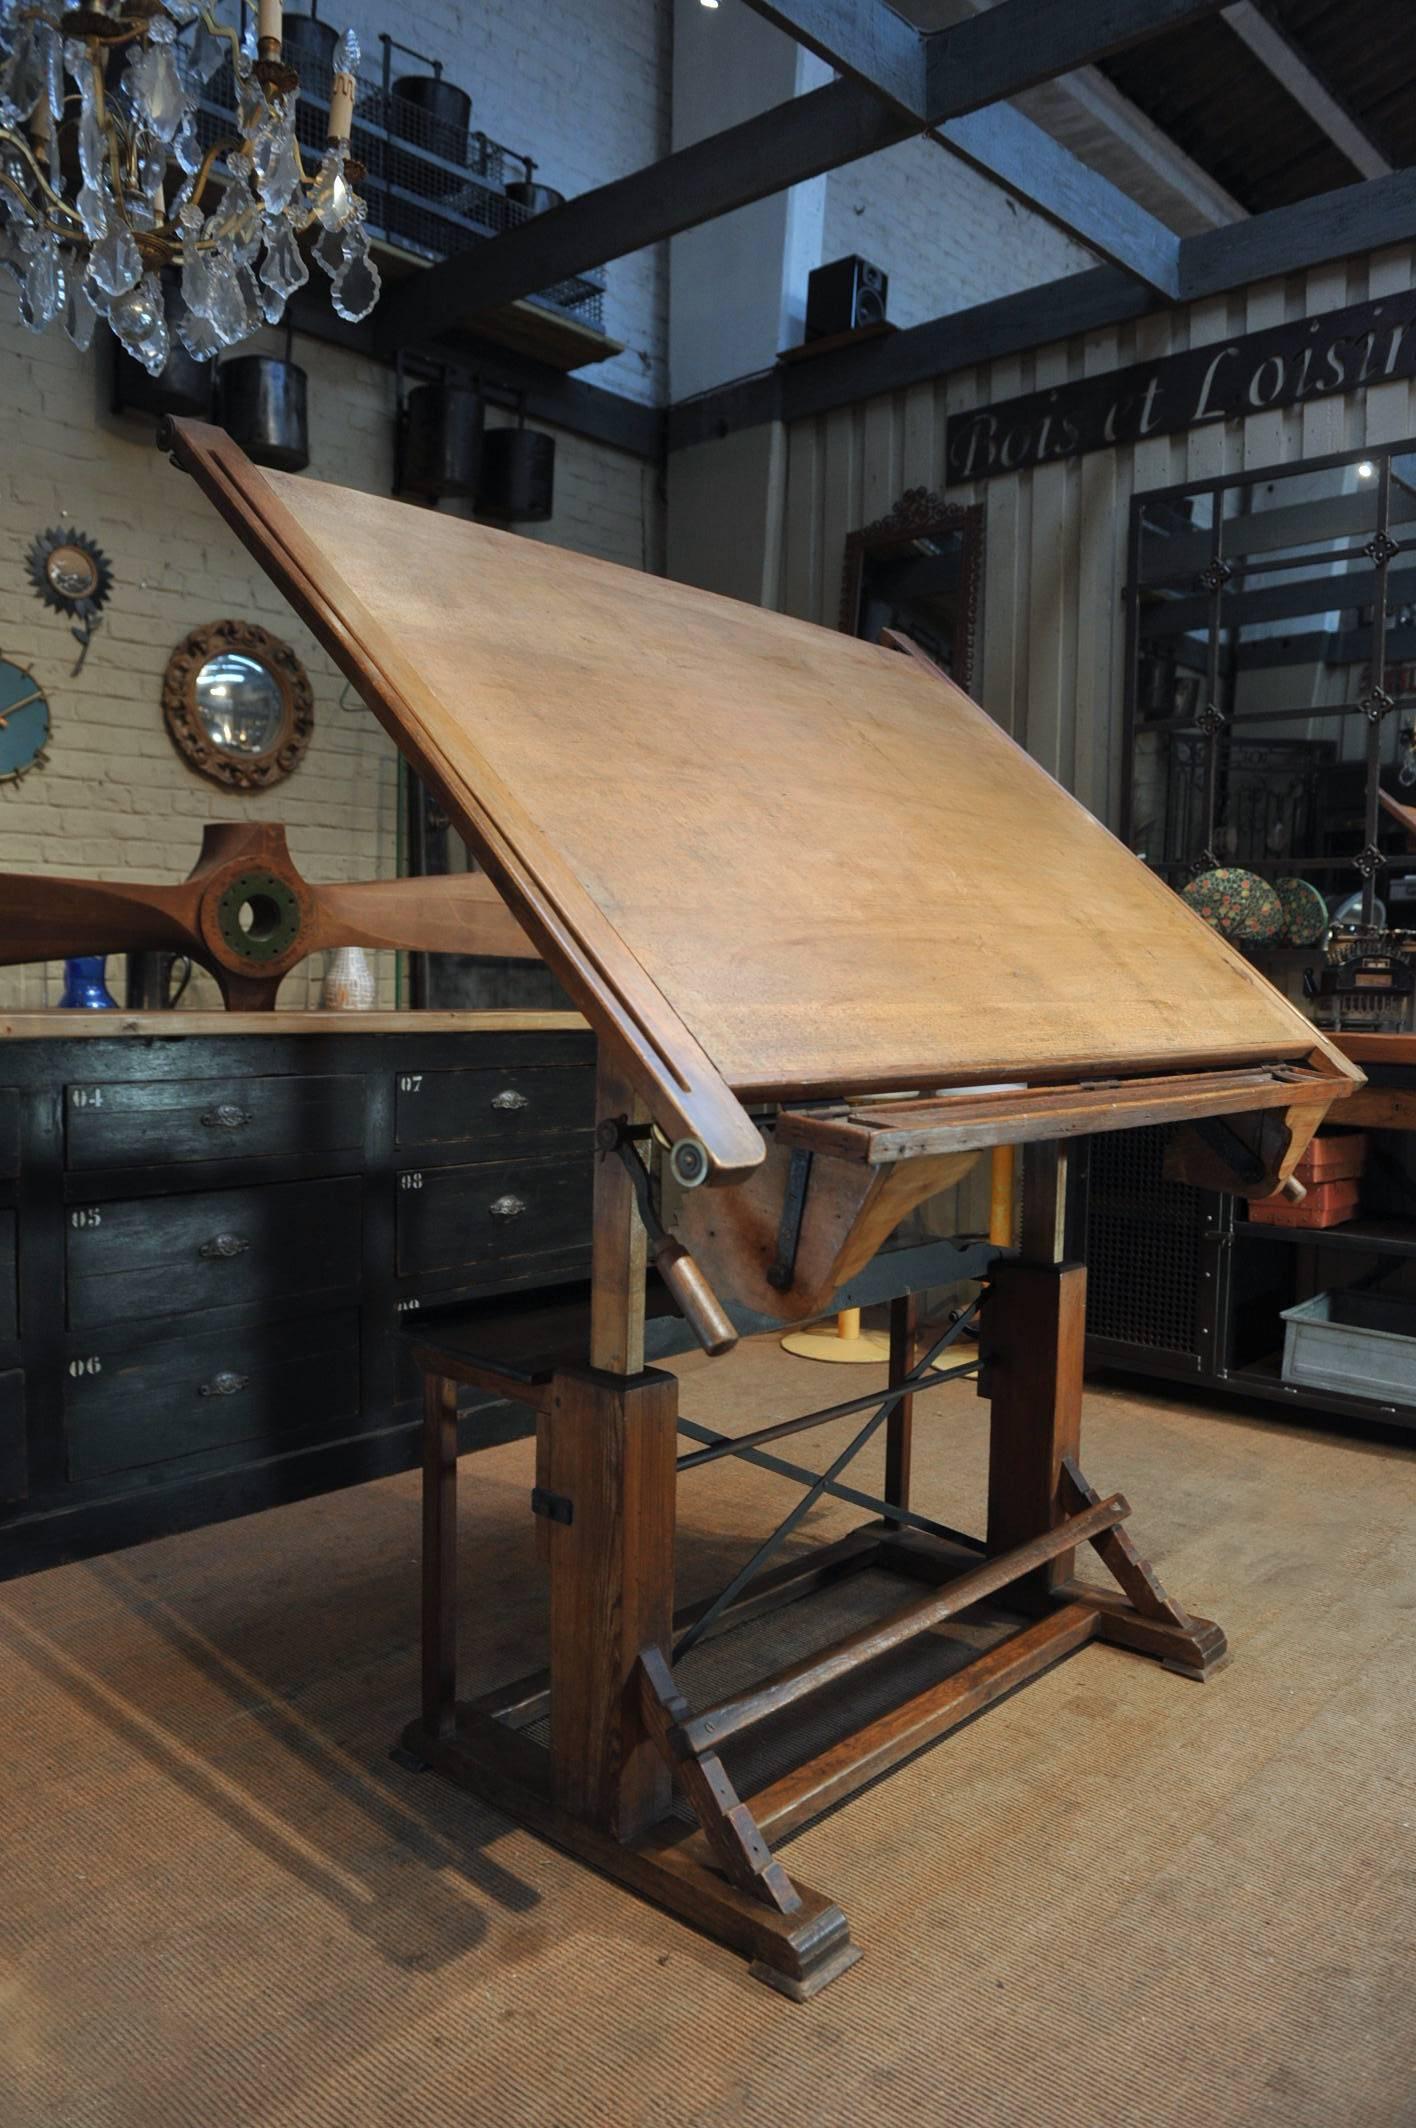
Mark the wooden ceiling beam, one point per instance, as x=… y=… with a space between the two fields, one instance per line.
x=1036 y=169
x=1020 y=43
x=1307 y=88
x=862 y=38
x=785 y=146
x=896 y=83
x=1336 y=225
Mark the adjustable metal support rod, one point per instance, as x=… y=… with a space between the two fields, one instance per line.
x=801 y=1476
x=813 y=1493
x=732 y=1446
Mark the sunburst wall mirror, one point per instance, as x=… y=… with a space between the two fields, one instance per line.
x=73 y=575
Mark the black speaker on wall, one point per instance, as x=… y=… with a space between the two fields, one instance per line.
x=844 y=296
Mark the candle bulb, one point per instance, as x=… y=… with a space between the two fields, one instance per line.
x=344 y=90
x=268 y=30
x=341 y=107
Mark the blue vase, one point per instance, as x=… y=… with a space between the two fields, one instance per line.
x=84 y=985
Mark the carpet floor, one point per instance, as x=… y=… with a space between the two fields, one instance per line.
x=1119 y=1898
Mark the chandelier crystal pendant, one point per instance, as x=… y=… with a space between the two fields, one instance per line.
x=104 y=181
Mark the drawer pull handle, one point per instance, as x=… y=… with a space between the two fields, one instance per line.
x=224 y=1384
x=506 y=1207
x=510 y=1098
x=223 y=1245
x=226 y=1116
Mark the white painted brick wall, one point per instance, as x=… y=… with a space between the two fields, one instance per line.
x=946 y=236
x=116 y=797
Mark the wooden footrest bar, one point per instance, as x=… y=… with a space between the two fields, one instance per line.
x=851 y=1764
x=711 y=1729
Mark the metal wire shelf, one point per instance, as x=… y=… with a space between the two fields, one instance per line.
x=429 y=190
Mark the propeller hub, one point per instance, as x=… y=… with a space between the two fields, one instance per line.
x=258 y=916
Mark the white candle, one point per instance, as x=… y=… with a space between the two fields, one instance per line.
x=268 y=22
x=341 y=106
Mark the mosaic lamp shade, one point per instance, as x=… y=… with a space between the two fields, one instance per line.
x=1237 y=904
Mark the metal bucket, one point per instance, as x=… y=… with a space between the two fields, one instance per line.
x=432 y=114
x=518 y=481
x=309 y=46
x=262 y=402
x=442 y=441
x=536 y=199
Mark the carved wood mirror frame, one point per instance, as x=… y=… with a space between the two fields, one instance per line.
x=188 y=730
x=920 y=514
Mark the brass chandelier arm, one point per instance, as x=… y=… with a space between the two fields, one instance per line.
x=61 y=206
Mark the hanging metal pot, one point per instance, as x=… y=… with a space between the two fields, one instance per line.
x=442 y=442
x=518 y=481
x=263 y=408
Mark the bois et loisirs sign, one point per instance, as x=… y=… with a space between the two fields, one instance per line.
x=1313 y=358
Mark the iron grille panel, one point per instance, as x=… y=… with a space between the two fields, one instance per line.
x=1145 y=1251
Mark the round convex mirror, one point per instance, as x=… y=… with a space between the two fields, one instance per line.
x=72 y=572
x=240 y=703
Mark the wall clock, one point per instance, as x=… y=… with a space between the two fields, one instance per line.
x=24 y=723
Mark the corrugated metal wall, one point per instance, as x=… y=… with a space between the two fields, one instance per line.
x=1052 y=630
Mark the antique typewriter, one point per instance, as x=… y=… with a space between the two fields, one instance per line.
x=1368 y=981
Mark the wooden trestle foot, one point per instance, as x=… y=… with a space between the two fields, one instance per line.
x=1141 y=1617
x=797 y=1953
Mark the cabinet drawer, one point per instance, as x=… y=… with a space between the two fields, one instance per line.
x=485 y=1112
x=14 y=1459
x=153 y=1256
x=9 y=1133
x=499 y=1212
x=226 y=1387
x=150 y=1122
x=9 y=1310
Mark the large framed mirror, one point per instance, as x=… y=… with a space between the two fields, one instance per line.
x=918 y=571
x=238 y=705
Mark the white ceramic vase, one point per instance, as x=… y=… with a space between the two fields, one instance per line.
x=349 y=981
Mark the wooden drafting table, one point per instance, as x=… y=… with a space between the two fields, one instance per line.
x=759 y=855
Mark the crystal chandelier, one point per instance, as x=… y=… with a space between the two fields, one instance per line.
x=94 y=100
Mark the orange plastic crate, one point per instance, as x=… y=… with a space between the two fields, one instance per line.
x=1334 y=1159
x=1327 y=1204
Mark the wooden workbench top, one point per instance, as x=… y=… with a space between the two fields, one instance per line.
x=1377 y=1048
x=55 y=1024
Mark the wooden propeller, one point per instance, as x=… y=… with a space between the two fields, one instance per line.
x=246 y=914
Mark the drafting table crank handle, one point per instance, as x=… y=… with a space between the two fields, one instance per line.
x=698 y=1304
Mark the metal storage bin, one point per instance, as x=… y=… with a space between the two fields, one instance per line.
x=1355 y=1344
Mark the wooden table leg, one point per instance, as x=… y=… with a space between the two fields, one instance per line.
x=1036 y=1337
x=611 y=1449
x=613 y=1455
x=899 y=1427
x=1036 y=1326
x=439 y=1553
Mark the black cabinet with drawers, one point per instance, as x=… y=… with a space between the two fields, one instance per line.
x=211 y=1231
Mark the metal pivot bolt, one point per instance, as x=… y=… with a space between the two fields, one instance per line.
x=688 y=1163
